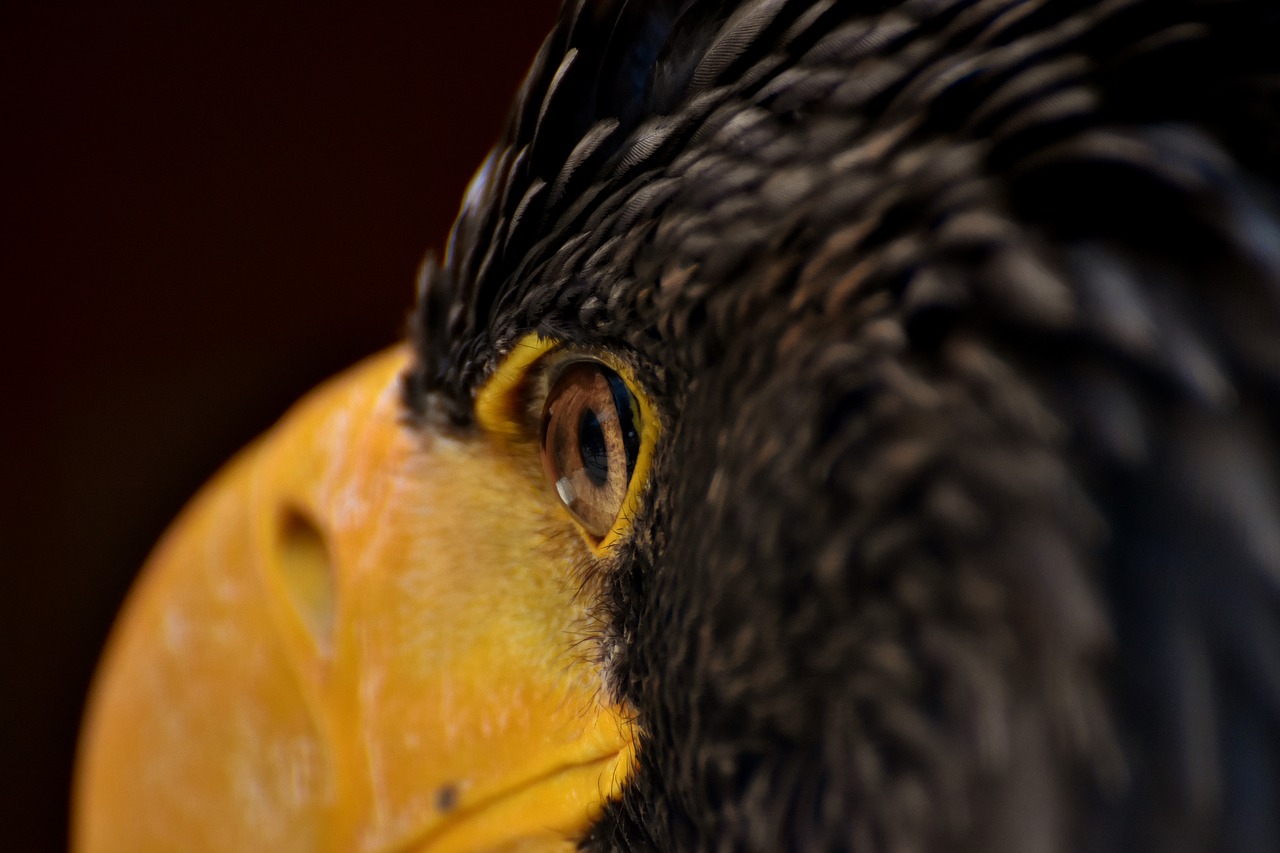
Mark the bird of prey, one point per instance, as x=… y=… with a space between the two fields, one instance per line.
x=835 y=425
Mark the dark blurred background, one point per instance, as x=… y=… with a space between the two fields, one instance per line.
x=206 y=209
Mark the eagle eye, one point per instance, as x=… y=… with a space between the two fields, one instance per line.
x=590 y=442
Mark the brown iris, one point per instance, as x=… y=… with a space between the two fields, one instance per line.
x=590 y=440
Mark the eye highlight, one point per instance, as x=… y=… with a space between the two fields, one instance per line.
x=591 y=433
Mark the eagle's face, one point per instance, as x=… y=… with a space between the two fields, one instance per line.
x=833 y=426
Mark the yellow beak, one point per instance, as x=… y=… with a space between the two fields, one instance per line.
x=360 y=636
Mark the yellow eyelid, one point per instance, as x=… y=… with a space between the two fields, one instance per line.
x=500 y=412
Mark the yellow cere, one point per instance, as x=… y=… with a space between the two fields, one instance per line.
x=502 y=411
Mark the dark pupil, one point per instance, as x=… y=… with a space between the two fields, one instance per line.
x=595 y=456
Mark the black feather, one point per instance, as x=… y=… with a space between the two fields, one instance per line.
x=963 y=321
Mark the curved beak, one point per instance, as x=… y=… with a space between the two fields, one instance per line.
x=359 y=636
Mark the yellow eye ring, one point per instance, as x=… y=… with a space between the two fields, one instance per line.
x=582 y=412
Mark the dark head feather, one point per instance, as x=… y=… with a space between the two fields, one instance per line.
x=964 y=318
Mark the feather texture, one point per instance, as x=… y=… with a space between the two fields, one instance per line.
x=964 y=319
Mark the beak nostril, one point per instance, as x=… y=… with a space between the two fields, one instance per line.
x=306 y=568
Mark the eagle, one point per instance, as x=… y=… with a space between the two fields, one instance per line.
x=834 y=425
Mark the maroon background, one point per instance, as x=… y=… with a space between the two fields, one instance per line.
x=205 y=210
